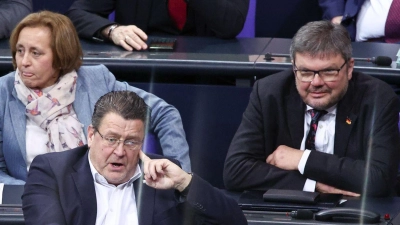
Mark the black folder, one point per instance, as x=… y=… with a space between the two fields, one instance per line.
x=253 y=200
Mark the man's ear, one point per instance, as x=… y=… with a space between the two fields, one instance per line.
x=350 y=67
x=90 y=133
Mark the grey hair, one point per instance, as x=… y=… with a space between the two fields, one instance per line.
x=322 y=38
x=127 y=104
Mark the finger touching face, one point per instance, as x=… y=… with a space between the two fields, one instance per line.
x=143 y=156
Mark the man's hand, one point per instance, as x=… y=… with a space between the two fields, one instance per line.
x=164 y=174
x=337 y=19
x=285 y=158
x=324 y=188
x=129 y=37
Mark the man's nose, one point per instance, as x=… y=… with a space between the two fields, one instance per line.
x=317 y=80
x=119 y=150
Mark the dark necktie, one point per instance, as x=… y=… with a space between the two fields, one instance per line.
x=177 y=12
x=392 y=26
x=315 y=116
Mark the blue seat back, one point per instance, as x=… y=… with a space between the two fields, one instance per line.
x=282 y=18
x=60 y=6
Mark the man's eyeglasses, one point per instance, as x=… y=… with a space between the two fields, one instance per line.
x=113 y=142
x=326 y=75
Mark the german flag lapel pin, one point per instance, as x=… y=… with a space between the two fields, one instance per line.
x=348 y=121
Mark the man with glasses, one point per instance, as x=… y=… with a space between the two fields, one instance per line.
x=111 y=181
x=318 y=127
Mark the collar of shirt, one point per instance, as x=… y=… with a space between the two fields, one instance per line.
x=100 y=179
x=331 y=110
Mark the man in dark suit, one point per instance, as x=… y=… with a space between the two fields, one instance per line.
x=352 y=148
x=365 y=20
x=340 y=12
x=102 y=183
x=11 y=12
x=135 y=19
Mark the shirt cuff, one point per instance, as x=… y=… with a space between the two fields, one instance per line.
x=303 y=161
x=309 y=185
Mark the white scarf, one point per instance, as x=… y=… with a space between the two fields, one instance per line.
x=53 y=111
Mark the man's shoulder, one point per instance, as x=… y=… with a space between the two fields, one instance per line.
x=371 y=85
x=281 y=83
x=279 y=78
x=365 y=90
x=65 y=157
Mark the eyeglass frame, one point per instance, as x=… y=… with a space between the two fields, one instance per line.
x=295 y=69
x=136 y=144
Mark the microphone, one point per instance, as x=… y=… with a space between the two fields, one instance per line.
x=301 y=214
x=379 y=60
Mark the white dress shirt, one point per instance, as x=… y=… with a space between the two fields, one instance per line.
x=371 y=19
x=324 y=140
x=116 y=205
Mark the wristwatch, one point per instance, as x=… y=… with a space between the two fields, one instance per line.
x=110 y=30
